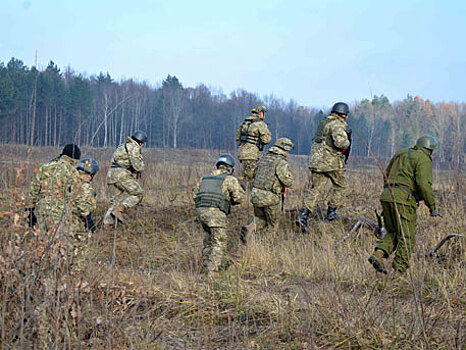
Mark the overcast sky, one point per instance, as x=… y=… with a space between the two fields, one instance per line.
x=315 y=52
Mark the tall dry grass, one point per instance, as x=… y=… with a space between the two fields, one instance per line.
x=142 y=287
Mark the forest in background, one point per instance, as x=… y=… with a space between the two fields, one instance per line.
x=52 y=107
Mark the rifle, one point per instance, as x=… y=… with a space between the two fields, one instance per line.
x=283 y=198
x=138 y=175
x=347 y=150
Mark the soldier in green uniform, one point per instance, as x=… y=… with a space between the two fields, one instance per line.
x=123 y=190
x=327 y=163
x=408 y=180
x=272 y=177
x=51 y=192
x=253 y=134
x=214 y=194
x=85 y=204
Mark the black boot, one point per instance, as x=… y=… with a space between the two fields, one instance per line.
x=332 y=214
x=301 y=220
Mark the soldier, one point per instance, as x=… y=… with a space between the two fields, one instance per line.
x=85 y=204
x=408 y=180
x=330 y=142
x=123 y=190
x=214 y=195
x=252 y=135
x=272 y=177
x=51 y=190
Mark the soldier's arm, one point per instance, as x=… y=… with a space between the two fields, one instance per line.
x=238 y=133
x=284 y=174
x=85 y=202
x=235 y=190
x=423 y=178
x=135 y=156
x=339 y=136
x=265 y=134
x=34 y=190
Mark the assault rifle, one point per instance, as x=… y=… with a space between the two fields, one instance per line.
x=283 y=198
x=347 y=150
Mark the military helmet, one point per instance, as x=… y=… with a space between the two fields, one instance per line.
x=427 y=141
x=284 y=144
x=225 y=159
x=340 y=108
x=89 y=166
x=139 y=136
x=71 y=150
x=258 y=109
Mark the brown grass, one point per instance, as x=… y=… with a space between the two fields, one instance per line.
x=143 y=289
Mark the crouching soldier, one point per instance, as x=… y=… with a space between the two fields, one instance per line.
x=85 y=204
x=214 y=194
x=123 y=190
x=272 y=177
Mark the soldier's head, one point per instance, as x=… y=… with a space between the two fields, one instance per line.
x=226 y=161
x=259 y=110
x=341 y=108
x=140 y=137
x=71 y=150
x=427 y=141
x=88 y=166
x=284 y=144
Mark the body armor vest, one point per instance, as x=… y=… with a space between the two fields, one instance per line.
x=320 y=134
x=211 y=195
x=265 y=176
x=246 y=137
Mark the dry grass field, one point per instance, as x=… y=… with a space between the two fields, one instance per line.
x=142 y=287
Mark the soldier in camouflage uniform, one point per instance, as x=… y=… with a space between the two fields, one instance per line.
x=123 y=190
x=272 y=177
x=85 y=204
x=253 y=134
x=51 y=192
x=408 y=180
x=214 y=194
x=326 y=162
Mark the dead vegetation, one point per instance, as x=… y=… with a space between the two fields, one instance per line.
x=143 y=288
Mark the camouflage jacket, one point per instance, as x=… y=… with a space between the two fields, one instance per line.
x=214 y=217
x=330 y=140
x=273 y=173
x=409 y=178
x=252 y=132
x=129 y=156
x=52 y=187
x=85 y=198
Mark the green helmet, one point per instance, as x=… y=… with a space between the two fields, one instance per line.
x=340 y=108
x=284 y=144
x=427 y=141
x=258 y=109
x=89 y=166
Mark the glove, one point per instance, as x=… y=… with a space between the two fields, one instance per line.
x=434 y=213
x=31 y=218
x=89 y=223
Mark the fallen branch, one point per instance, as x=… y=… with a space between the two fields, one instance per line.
x=362 y=220
x=431 y=253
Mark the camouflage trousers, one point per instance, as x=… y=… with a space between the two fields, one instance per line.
x=215 y=244
x=125 y=192
x=400 y=233
x=248 y=170
x=267 y=219
x=318 y=182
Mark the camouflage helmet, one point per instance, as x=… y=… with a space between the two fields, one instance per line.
x=257 y=109
x=284 y=144
x=139 y=136
x=427 y=141
x=89 y=166
x=340 y=108
x=225 y=159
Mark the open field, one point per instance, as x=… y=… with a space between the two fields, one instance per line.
x=143 y=289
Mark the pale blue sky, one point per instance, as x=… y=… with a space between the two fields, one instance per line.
x=315 y=52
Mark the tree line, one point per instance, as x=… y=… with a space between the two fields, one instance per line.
x=51 y=107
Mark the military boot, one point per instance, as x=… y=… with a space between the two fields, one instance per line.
x=245 y=230
x=302 y=218
x=332 y=214
x=376 y=261
x=118 y=213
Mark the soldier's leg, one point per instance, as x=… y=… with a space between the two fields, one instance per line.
x=318 y=181
x=249 y=170
x=272 y=218
x=405 y=244
x=260 y=218
x=388 y=244
x=114 y=196
x=340 y=185
x=218 y=247
x=134 y=191
x=207 y=244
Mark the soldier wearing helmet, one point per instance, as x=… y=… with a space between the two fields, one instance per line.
x=123 y=190
x=272 y=177
x=253 y=134
x=330 y=142
x=407 y=181
x=214 y=195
